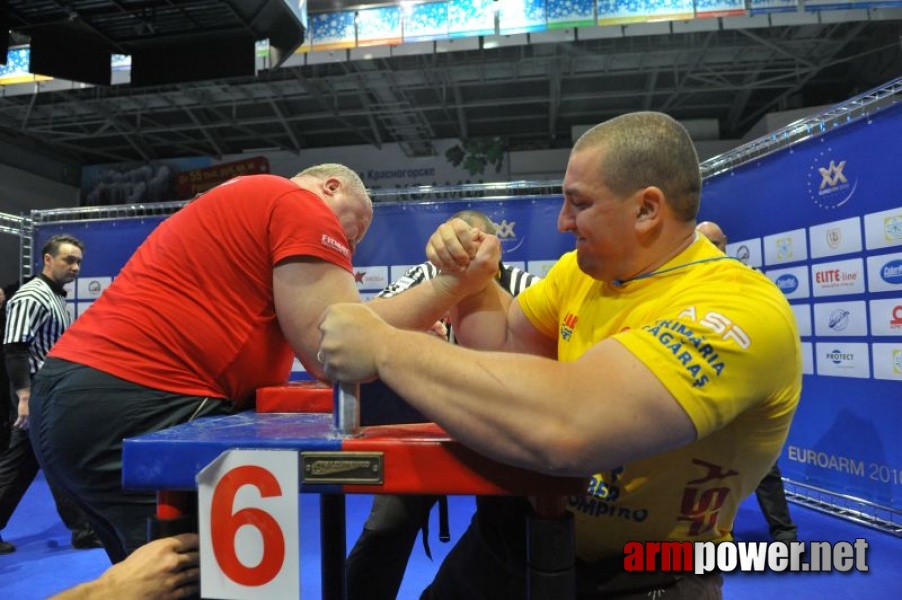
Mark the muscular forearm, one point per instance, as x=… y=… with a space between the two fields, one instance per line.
x=563 y=418
x=419 y=306
x=92 y=590
x=502 y=410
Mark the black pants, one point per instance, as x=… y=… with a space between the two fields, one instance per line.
x=489 y=562
x=772 y=500
x=79 y=417
x=376 y=563
x=18 y=468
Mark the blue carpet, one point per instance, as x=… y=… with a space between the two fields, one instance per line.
x=45 y=563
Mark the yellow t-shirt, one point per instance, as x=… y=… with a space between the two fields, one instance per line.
x=723 y=340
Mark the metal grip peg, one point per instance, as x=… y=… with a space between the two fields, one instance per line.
x=346 y=408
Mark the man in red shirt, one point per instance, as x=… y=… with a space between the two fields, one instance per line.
x=214 y=304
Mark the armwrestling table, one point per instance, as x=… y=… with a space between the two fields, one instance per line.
x=413 y=458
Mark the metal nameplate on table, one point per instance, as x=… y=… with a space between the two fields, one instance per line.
x=346 y=468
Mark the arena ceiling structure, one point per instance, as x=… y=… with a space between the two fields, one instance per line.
x=192 y=93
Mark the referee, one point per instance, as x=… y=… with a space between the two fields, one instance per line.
x=36 y=317
x=376 y=563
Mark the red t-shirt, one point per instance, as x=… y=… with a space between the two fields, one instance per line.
x=192 y=311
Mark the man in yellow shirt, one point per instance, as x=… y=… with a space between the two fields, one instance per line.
x=646 y=357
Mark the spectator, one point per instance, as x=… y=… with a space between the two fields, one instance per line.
x=770 y=493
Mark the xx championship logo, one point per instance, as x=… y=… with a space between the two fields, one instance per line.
x=831 y=182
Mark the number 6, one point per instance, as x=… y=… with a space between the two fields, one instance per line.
x=224 y=526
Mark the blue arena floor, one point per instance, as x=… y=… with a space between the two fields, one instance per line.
x=45 y=563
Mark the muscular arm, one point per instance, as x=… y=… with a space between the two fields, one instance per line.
x=492 y=320
x=421 y=305
x=303 y=287
x=598 y=412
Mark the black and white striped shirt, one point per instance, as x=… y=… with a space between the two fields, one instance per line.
x=512 y=279
x=36 y=316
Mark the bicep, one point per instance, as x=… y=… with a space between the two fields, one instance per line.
x=302 y=290
x=642 y=418
x=524 y=337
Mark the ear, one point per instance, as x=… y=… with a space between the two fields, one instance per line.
x=649 y=207
x=331 y=185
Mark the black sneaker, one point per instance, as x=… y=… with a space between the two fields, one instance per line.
x=6 y=547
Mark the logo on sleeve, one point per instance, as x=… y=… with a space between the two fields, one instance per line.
x=568 y=325
x=330 y=242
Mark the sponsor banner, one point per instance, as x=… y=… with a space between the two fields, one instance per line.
x=425 y=22
x=842 y=359
x=785 y=247
x=883 y=229
x=841 y=319
x=802 y=314
x=379 y=26
x=887 y=361
x=844 y=437
x=885 y=273
x=371 y=278
x=792 y=282
x=757 y=7
x=747 y=251
x=540 y=267
x=190 y=183
x=838 y=278
x=833 y=239
x=397 y=271
x=833 y=176
x=807 y=358
x=82 y=307
x=90 y=288
x=886 y=317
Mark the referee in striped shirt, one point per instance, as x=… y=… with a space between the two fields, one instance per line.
x=36 y=317
x=376 y=563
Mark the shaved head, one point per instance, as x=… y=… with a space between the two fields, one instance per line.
x=713 y=232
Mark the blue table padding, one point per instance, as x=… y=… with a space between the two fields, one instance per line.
x=170 y=459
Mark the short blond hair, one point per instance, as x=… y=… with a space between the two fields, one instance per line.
x=348 y=176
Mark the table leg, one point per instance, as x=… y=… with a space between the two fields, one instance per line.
x=550 y=551
x=176 y=513
x=333 y=545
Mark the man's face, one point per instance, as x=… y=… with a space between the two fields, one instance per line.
x=602 y=222
x=64 y=267
x=355 y=215
x=713 y=233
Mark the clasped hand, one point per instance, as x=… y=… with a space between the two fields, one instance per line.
x=466 y=253
x=352 y=336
